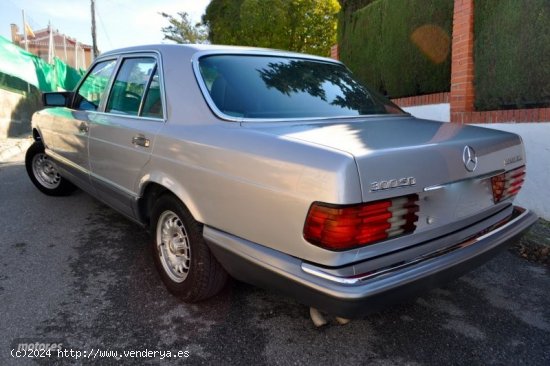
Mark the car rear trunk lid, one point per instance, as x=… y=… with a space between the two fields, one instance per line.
x=448 y=165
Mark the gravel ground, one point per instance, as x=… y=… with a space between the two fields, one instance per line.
x=535 y=244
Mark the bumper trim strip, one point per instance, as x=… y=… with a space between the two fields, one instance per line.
x=519 y=214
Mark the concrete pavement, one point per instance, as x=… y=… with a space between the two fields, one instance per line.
x=10 y=147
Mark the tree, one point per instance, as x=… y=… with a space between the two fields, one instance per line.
x=222 y=20
x=262 y=23
x=181 y=30
x=296 y=25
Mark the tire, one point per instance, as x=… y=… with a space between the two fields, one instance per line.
x=44 y=173
x=183 y=260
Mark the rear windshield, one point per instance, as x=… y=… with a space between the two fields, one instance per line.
x=266 y=87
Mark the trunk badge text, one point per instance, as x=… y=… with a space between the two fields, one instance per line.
x=392 y=183
x=469 y=158
x=513 y=159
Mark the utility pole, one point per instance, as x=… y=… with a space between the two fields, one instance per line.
x=51 y=44
x=94 y=41
x=25 y=31
x=75 y=54
x=26 y=44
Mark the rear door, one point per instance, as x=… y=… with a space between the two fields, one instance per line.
x=121 y=141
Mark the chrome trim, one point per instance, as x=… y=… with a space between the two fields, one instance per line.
x=152 y=119
x=318 y=272
x=109 y=89
x=314 y=119
x=96 y=61
x=315 y=271
x=435 y=188
x=114 y=186
x=66 y=161
x=476 y=179
x=492 y=174
x=202 y=86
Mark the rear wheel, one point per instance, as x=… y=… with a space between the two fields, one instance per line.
x=44 y=173
x=186 y=265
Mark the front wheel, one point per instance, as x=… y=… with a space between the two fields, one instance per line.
x=186 y=265
x=44 y=174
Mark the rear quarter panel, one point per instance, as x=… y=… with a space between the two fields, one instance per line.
x=253 y=185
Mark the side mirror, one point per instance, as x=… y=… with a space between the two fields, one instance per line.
x=56 y=99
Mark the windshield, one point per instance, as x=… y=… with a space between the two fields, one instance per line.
x=267 y=87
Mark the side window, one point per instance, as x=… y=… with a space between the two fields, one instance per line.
x=92 y=89
x=152 y=105
x=130 y=85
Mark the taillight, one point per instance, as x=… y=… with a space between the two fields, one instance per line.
x=507 y=185
x=342 y=227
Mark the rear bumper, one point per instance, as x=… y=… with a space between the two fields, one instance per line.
x=362 y=294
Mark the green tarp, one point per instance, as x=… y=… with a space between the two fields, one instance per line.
x=67 y=77
x=16 y=62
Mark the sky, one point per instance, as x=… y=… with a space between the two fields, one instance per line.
x=119 y=23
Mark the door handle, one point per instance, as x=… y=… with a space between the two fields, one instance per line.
x=141 y=140
x=83 y=127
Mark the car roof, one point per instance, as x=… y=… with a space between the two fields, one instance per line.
x=191 y=49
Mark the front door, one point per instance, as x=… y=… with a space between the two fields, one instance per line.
x=72 y=125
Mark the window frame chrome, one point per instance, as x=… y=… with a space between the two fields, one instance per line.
x=120 y=57
x=85 y=77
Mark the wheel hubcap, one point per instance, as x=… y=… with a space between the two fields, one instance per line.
x=45 y=171
x=173 y=246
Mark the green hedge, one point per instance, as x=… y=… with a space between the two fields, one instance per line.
x=376 y=43
x=512 y=54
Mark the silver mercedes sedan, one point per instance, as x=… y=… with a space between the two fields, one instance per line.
x=280 y=170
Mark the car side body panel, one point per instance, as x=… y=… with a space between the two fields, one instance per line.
x=229 y=177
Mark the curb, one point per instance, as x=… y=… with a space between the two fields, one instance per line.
x=20 y=146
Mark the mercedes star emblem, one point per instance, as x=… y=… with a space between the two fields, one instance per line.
x=469 y=158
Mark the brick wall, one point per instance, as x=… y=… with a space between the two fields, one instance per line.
x=334 y=52
x=436 y=98
x=512 y=115
x=462 y=76
x=462 y=64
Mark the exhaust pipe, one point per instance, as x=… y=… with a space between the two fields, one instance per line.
x=319 y=320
